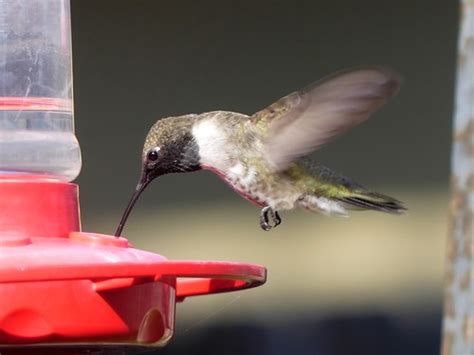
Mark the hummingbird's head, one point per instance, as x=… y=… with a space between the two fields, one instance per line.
x=169 y=148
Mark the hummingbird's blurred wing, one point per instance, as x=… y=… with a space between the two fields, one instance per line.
x=305 y=120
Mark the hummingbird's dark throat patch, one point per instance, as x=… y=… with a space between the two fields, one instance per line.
x=181 y=155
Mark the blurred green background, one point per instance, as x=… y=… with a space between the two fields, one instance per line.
x=367 y=281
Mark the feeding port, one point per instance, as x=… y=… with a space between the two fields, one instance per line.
x=59 y=285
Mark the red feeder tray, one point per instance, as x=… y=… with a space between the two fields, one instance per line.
x=59 y=285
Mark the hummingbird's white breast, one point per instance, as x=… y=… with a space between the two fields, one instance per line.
x=213 y=142
x=219 y=153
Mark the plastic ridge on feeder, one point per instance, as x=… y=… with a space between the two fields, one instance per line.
x=59 y=285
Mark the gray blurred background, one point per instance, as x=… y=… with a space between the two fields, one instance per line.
x=369 y=284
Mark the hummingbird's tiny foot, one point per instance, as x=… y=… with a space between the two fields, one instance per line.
x=264 y=220
x=276 y=219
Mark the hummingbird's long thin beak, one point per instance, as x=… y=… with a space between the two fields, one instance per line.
x=142 y=184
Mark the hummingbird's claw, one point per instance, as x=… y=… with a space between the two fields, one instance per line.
x=264 y=220
x=277 y=219
x=265 y=226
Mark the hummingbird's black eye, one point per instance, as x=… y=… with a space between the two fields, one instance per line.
x=152 y=155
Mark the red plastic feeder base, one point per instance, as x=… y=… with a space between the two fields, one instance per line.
x=59 y=285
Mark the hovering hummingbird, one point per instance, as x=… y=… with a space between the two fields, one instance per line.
x=262 y=157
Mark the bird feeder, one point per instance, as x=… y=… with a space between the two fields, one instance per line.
x=59 y=285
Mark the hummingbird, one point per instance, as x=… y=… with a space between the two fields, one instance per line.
x=263 y=157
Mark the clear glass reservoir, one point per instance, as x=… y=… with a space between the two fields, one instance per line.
x=36 y=103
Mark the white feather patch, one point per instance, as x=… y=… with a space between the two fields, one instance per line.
x=249 y=178
x=325 y=205
x=237 y=171
x=211 y=141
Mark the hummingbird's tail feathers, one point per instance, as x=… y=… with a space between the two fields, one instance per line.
x=373 y=201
